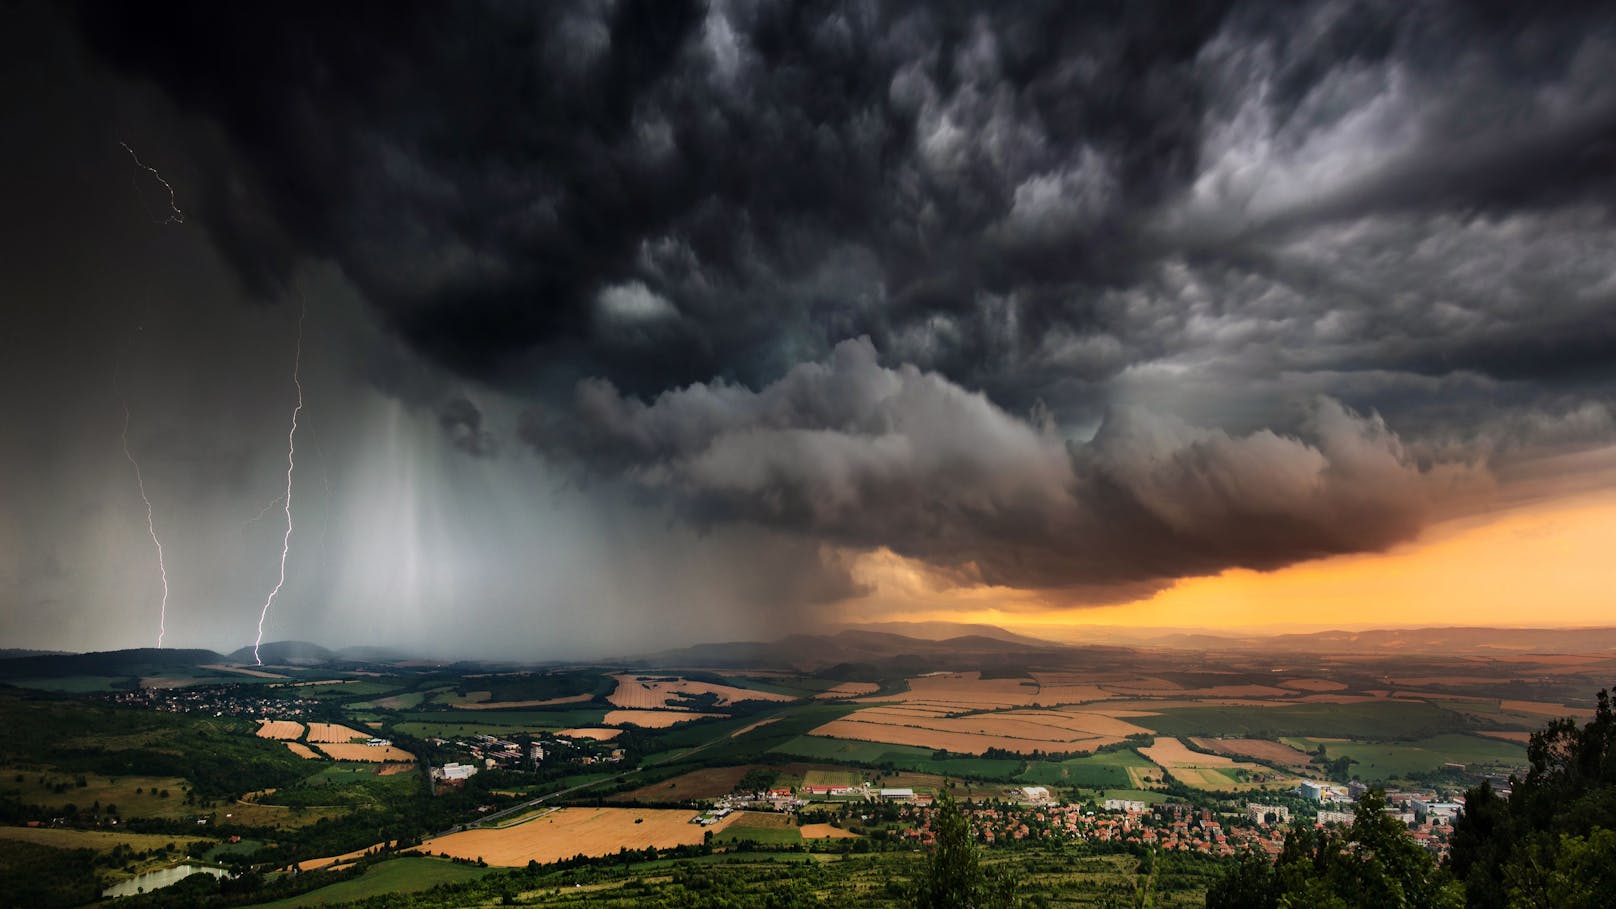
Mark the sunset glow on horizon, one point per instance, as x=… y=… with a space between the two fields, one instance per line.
x=1544 y=564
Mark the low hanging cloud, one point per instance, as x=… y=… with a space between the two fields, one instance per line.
x=862 y=455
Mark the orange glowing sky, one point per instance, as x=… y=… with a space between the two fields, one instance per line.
x=1545 y=563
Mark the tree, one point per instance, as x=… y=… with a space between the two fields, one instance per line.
x=1579 y=874
x=1375 y=864
x=1542 y=846
x=954 y=877
x=1248 y=885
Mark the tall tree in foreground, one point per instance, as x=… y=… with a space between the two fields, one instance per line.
x=1551 y=843
x=954 y=877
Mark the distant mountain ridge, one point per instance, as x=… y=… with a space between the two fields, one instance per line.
x=939 y=631
x=139 y=661
x=285 y=653
x=13 y=653
x=858 y=646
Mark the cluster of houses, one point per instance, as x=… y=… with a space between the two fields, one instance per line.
x=1031 y=813
x=1427 y=815
x=492 y=752
x=217 y=700
x=1172 y=827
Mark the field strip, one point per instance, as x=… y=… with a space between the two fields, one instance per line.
x=255 y=673
x=848 y=690
x=501 y=705
x=653 y=719
x=959 y=742
x=590 y=732
x=650 y=692
x=328 y=861
x=575 y=831
x=335 y=733
x=745 y=729
x=1020 y=724
x=523 y=818
x=375 y=754
x=100 y=840
x=284 y=730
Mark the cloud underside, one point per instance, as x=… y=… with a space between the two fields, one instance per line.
x=865 y=456
x=1026 y=198
x=802 y=266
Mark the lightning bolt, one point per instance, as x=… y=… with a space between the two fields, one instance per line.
x=151 y=527
x=286 y=500
x=263 y=511
x=175 y=215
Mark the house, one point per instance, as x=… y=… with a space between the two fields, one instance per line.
x=1266 y=814
x=454 y=771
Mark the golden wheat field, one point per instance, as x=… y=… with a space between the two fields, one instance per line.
x=1203 y=771
x=374 y=754
x=968 y=737
x=848 y=690
x=591 y=732
x=321 y=733
x=645 y=692
x=652 y=719
x=567 y=832
x=285 y=730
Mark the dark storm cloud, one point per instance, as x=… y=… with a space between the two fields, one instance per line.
x=866 y=456
x=462 y=422
x=960 y=184
x=780 y=177
x=1131 y=219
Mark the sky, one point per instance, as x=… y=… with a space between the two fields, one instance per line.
x=623 y=325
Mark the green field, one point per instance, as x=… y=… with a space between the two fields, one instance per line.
x=1395 y=720
x=832 y=778
x=901 y=757
x=1105 y=770
x=76 y=684
x=350 y=688
x=473 y=720
x=1395 y=760
x=1043 y=878
x=38 y=788
x=764 y=829
x=405 y=701
x=1148 y=796
x=400 y=875
x=98 y=840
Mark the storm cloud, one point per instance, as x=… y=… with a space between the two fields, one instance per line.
x=865 y=456
x=662 y=193
x=1077 y=297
